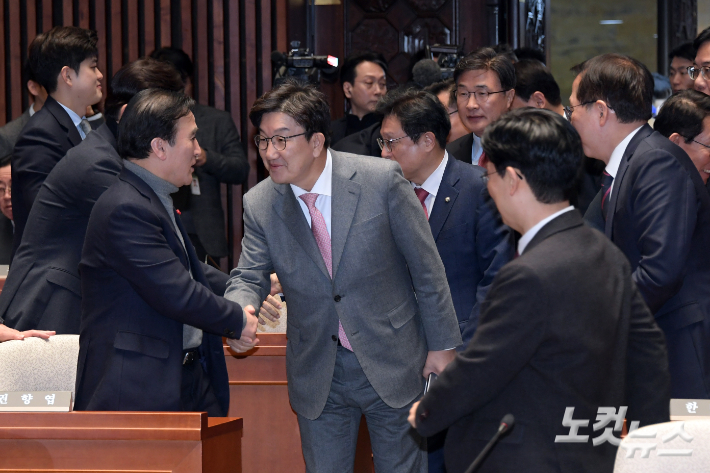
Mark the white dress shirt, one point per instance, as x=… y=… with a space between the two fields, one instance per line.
x=432 y=183
x=615 y=160
x=76 y=120
x=476 y=149
x=322 y=187
x=530 y=234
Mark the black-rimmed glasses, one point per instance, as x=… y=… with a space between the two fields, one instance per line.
x=486 y=176
x=702 y=144
x=568 y=110
x=480 y=95
x=278 y=141
x=694 y=72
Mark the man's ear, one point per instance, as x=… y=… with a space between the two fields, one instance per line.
x=676 y=138
x=511 y=179
x=66 y=75
x=538 y=99
x=428 y=140
x=348 y=90
x=509 y=96
x=317 y=141
x=602 y=109
x=157 y=145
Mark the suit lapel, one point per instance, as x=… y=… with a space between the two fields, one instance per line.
x=641 y=135
x=64 y=120
x=346 y=195
x=442 y=207
x=563 y=222
x=289 y=210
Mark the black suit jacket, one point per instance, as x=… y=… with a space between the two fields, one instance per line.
x=659 y=215
x=45 y=140
x=462 y=148
x=43 y=289
x=137 y=294
x=363 y=143
x=10 y=132
x=226 y=162
x=563 y=325
x=6 y=231
x=472 y=241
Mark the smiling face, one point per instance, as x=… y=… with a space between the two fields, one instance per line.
x=583 y=121
x=477 y=116
x=301 y=162
x=181 y=156
x=86 y=85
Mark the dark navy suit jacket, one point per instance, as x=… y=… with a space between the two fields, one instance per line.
x=659 y=215
x=45 y=140
x=137 y=294
x=472 y=241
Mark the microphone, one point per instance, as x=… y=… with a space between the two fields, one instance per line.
x=278 y=59
x=505 y=424
x=426 y=72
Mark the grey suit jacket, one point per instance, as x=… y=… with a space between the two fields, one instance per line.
x=10 y=132
x=388 y=289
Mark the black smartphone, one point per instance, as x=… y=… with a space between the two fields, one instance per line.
x=430 y=379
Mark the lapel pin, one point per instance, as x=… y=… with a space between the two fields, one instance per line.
x=448 y=199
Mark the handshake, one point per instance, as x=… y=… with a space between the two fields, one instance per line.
x=270 y=309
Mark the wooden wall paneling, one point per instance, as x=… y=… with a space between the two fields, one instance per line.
x=100 y=19
x=115 y=39
x=47 y=15
x=129 y=30
x=200 y=56
x=280 y=16
x=232 y=99
x=264 y=57
x=149 y=24
x=472 y=24
x=82 y=8
x=30 y=22
x=28 y=12
x=217 y=29
x=185 y=15
x=67 y=9
x=249 y=83
x=165 y=26
x=4 y=115
x=15 y=60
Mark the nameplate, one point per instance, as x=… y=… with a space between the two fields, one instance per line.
x=36 y=401
x=689 y=409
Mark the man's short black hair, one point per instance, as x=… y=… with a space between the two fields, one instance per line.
x=347 y=71
x=151 y=113
x=178 y=58
x=685 y=51
x=418 y=112
x=701 y=39
x=533 y=76
x=531 y=53
x=144 y=73
x=486 y=59
x=6 y=160
x=542 y=145
x=303 y=102
x=505 y=50
x=447 y=86
x=61 y=46
x=624 y=83
x=683 y=113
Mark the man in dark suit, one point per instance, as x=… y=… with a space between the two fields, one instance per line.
x=43 y=287
x=653 y=206
x=64 y=62
x=222 y=161
x=485 y=87
x=151 y=329
x=369 y=310
x=563 y=325
x=363 y=77
x=11 y=131
x=471 y=239
x=6 y=226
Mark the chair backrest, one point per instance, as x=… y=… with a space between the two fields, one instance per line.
x=670 y=447
x=34 y=364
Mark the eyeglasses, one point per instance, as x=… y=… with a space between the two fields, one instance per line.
x=486 y=176
x=388 y=143
x=481 y=95
x=278 y=141
x=4 y=190
x=694 y=72
x=702 y=144
x=568 y=110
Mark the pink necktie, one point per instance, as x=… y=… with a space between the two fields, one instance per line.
x=320 y=232
x=422 y=195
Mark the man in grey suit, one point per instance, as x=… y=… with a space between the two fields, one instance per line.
x=370 y=312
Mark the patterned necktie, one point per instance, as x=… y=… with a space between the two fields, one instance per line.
x=422 y=195
x=607 y=180
x=85 y=126
x=320 y=232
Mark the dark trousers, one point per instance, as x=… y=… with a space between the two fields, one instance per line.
x=196 y=394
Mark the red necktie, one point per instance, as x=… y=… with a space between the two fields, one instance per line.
x=320 y=232
x=422 y=195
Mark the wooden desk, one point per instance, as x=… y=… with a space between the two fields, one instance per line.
x=259 y=394
x=120 y=442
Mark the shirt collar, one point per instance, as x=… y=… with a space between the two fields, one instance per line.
x=32 y=109
x=323 y=185
x=76 y=119
x=530 y=234
x=615 y=160
x=476 y=149
x=432 y=183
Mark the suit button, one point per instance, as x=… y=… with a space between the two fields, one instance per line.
x=335 y=339
x=231 y=334
x=336 y=298
x=226 y=332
